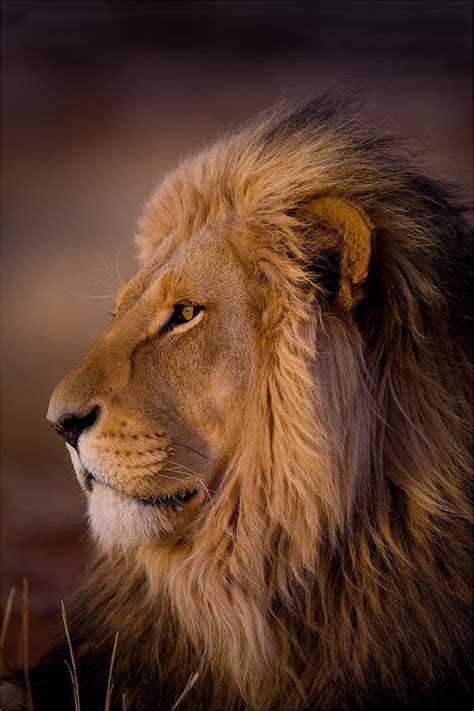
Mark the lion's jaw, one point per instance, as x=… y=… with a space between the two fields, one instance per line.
x=167 y=396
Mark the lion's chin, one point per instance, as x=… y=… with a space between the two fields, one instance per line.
x=123 y=523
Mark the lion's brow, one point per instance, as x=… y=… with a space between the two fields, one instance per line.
x=132 y=290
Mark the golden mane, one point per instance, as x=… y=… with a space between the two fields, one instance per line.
x=331 y=567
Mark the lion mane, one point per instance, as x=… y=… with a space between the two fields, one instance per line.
x=330 y=570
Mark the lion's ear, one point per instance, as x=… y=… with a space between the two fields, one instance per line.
x=342 y=247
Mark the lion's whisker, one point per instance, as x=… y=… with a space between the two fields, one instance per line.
x=104 y=297
x=191 y=449
x=192 y=473
x=177 y=467
x=115 y=278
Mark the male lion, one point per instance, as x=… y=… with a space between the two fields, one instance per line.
x=272 y=436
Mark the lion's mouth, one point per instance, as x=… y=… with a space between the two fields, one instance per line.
x=171 y=501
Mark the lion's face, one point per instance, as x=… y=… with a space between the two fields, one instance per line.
x=151 y=413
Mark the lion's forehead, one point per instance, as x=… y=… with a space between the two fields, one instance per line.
x=202 y=267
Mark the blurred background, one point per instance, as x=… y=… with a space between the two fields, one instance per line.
x=99 y=101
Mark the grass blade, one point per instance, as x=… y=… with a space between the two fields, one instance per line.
x=191 y=681
x=73 y=681
x=73 y=671
x=108 y=695
x=25 y=642
x=5 y=623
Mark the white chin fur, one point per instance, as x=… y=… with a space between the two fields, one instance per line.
x=123 y=523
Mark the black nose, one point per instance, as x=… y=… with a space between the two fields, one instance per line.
x=71 y=426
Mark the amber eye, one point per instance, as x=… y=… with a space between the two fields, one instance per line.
x=187 y=312
x=183 y=313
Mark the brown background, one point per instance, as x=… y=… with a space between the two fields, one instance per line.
x=99 y=101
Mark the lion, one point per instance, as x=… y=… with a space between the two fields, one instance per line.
x=273 y=435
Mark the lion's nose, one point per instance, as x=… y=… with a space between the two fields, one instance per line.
x=71 y=426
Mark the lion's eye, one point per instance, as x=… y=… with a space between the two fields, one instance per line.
x=186 y=312
x=183 y=313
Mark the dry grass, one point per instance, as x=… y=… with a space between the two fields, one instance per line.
x=25 y=643
x=5 y=624
x=72 y=668
x=24 y=654
x=191 y=681
x=110 y=686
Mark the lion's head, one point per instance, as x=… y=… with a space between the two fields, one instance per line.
x=153 y=412
x=274 y=420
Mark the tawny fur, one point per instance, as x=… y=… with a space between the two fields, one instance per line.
x=332 y=565
x=341 y=527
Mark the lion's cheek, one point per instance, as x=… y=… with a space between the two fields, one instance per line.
x=218 y=418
